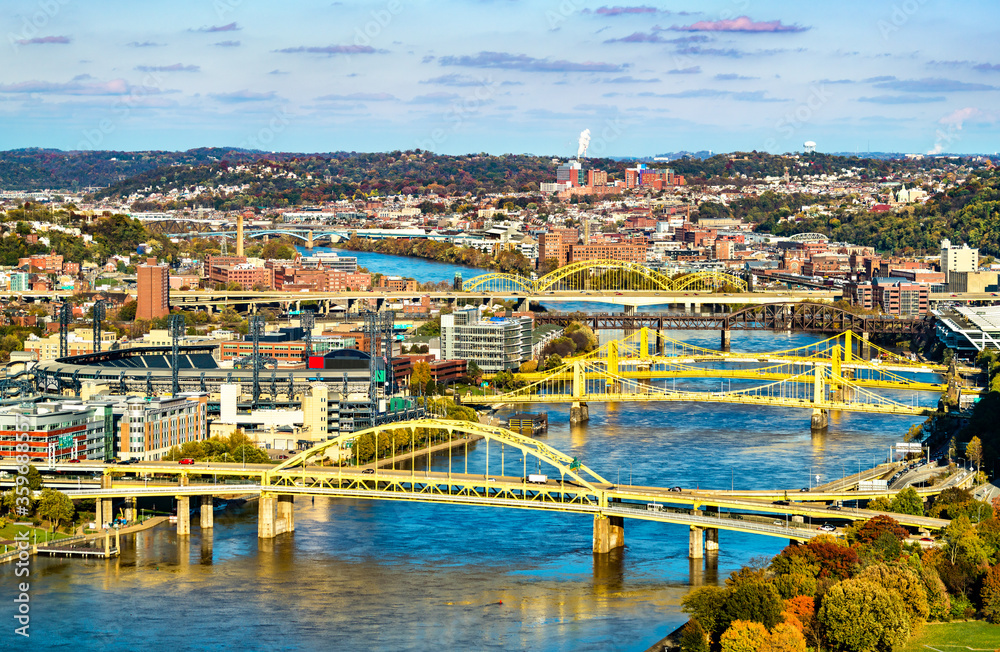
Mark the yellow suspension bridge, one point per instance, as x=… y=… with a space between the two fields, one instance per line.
x=515 y=472
x=823 y=376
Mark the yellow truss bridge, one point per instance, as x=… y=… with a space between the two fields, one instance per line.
x=648 y=354
x=515 y=472
x=605 y=275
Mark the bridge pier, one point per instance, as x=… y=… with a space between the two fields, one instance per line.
x=820 y=419
x=275 y=515
x=183 y=516
x=206 y=516
x=696 y=543
x=727 y=337
x=866 y=350
x=579 y=412
x=712 y=539
x=609 y=533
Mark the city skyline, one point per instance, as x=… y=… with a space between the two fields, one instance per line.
x=500 y=76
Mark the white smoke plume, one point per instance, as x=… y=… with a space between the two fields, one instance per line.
x=584 y=143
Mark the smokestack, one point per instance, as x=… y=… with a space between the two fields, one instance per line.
x=581 y=151
x=239 y=235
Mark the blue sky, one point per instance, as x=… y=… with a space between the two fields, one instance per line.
x=459 y=76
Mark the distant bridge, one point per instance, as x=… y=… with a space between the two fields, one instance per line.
x=604 y=275
x=805 y=316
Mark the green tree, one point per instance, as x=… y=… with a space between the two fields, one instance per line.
x=552 y=362
x=861 y=616
x=744 y=636
x=705 y=604
x=127 y=312
x=250 y=454
x=753 y=599
x=880 y=504
x=55 y=506
x=908 y=501
x=473 y=371
x=34 y=478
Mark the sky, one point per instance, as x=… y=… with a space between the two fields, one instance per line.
x=501 y=76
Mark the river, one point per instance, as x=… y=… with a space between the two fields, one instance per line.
x=359 y=575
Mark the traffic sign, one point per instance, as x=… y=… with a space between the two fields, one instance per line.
x=65 y=441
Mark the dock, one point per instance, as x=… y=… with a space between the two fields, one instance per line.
x=82 y=547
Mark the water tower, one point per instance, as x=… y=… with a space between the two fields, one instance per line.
x=809 y=146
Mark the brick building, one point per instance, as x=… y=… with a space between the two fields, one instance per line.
x=154 y=291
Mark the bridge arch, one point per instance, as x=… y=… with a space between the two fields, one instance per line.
x=567 y=466
x=608 y=274
x=499 y=282
x=709 y=281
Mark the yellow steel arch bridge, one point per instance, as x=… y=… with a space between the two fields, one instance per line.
x=605 y=275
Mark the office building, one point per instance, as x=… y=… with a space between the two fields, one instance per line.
x=957 y=259
x=57 y=431
x=494 y=344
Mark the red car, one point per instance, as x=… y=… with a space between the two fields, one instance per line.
x=187 y=460
x=74 y=461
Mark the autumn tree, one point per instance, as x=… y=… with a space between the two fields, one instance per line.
x=974 y=452
x=990 y=595
x=907 y=585
x=785 y=638
x=693 y=637
x=859 y=615
x=744 y=636
x=419 y=377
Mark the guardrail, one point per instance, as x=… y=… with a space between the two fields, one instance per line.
x=745 y=521
x=161 y=491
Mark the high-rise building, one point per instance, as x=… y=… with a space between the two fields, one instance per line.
x=154 y=291
x=958 y=259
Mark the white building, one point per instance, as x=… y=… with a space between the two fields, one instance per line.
x=958 y=259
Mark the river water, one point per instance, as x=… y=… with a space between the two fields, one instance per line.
x=359 y=575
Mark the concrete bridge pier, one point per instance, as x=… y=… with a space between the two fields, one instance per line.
x=820 y=419
x=727 y=337
x=206 y=515
x=712 y=539
x=609 y=533
x=130 y=510
x=696 y=543
x=275 y=515
x=866 y=349
x=579 y=412
x=183 y=516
